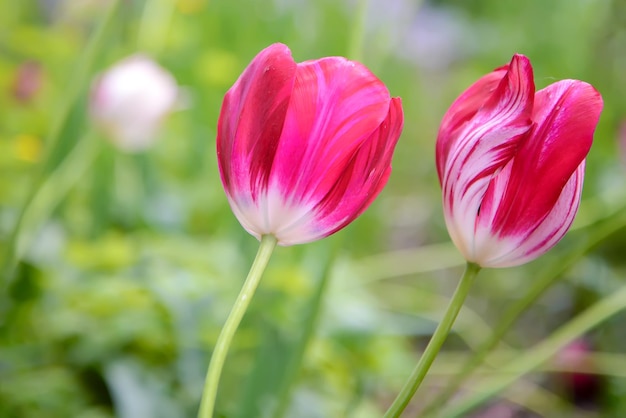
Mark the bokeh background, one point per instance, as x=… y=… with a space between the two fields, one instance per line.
x=122 y=286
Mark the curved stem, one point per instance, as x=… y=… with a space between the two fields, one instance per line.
x=76 y=85
x=268 y=242
x=435 y=343
x=80 y=75
x=46 y=197
x=534 y=358
x=538 y=286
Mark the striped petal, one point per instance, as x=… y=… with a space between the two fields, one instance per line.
x=462 y=110
x=565 y=116
x=512 y=172
x=514 y=250
x=485 y=145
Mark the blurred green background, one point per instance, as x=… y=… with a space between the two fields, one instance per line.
x=121 y=290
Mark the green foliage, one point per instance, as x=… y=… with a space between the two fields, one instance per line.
x=118 y=299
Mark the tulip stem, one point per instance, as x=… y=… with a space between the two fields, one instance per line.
x=435 y=343
x=599 y=232
x=70 y=95
x=46 y=197
x=532 y=359
x=209 y=394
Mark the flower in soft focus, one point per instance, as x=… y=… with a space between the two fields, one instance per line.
x=28 y=81
x=580 y=379
x=511 y=163
x=304 y=148
x=130 y=100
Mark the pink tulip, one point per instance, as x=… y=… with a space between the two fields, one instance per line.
x=511 y=163
x=304 y=148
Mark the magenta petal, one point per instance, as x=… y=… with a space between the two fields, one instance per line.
x=251 y=121
x=335 y=106
x=364 y=177
x=565 y=114
x=304 y=148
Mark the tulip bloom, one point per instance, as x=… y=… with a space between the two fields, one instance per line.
x=511 y=163
x=130 y=99
x=304 y=148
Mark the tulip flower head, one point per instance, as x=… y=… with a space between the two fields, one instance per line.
x=130 y=100
x=304 y=148
x=511 y=163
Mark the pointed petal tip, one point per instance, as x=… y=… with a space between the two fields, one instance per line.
x=278 y=48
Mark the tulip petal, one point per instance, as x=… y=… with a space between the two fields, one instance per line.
x=565 y=114
x=251 y=121
x=364 y=177
x=335 y=106
x=485 y=145
x=516 y=250
x=511 y=164
x=462 y=110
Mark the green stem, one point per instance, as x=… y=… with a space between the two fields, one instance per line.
x=47 y=196
x=534 y=358
x=80 y=75
x=268 y=242
x=76 y=84
x=540 y=285
x=436 y=341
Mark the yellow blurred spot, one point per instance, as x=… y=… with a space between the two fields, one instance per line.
x=28 y=148
x=218 y=68
x=191 y=6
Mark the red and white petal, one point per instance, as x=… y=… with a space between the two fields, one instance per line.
x=486 y=144
x=565 y=115
x=462 y=110
x=514 y=250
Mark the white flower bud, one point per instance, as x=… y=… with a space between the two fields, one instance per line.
x=129 y=100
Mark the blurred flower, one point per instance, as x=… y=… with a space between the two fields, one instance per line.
x=130 y=99
x=303 y=149
x=511 y=163
x=581 y=382
x=28 y=80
